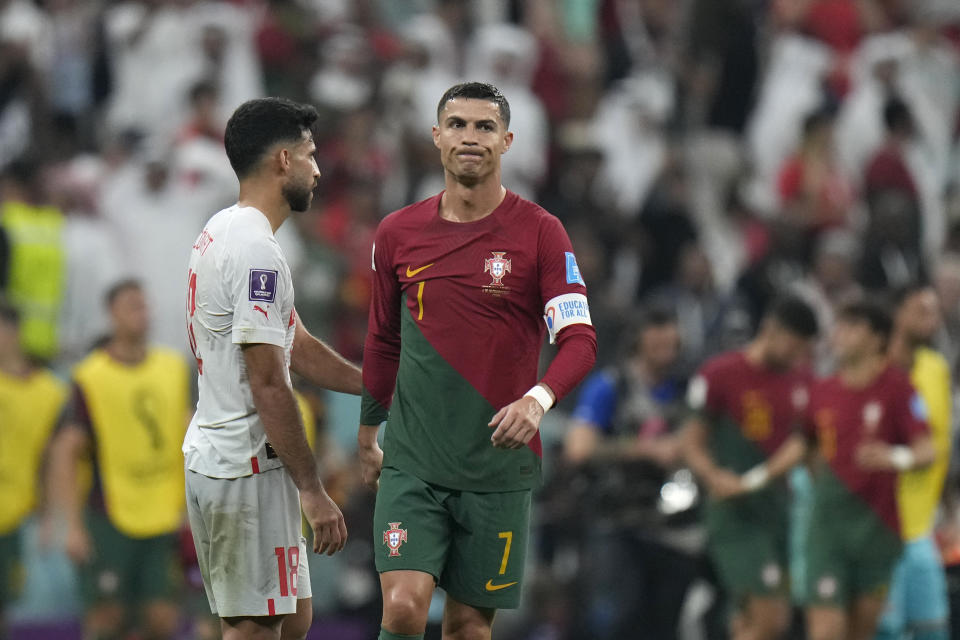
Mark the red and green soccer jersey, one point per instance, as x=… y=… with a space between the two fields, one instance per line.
x=750 y=410
x=842 y=418
x=457 y=320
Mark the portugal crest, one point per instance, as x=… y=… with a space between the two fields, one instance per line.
x=497 y=267
x=394 y=537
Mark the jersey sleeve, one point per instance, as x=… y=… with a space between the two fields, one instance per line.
x=910 y=414
x=705 y=393
x=563 y=294
x=597 y=402
x=381 y=352
x=258 y=280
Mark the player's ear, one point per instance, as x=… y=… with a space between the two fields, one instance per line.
x=284 y=159
x=507 y=141
x=436 y=136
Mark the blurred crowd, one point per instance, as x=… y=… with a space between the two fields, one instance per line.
x=704 y=155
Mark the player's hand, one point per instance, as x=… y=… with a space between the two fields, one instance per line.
x=516 y=423
x=77 y=544
x=323 y=514
x=874 y=456
x=723 y=484
x=371 y=463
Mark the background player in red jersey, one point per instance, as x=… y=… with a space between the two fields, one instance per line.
x=870 y=424
x=740 y=442
x=462 y=285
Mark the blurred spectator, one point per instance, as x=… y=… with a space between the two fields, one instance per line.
x=708 y=321
x=829 y=286
x=625 y=421
x=893 y=233
x=506 y=56
x=36 y=280
x=813 y=191
x=31 y=400
x=128 y=415
x=946 y=281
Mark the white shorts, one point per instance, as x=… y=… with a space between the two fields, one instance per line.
x=250 y=547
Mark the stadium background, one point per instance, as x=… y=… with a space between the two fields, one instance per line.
x=704 y=155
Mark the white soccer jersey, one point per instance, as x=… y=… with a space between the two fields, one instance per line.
x=239 y=292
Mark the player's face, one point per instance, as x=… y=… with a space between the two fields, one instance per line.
x=785 y=349
x=303 y=175
x=129 y=314
x=919 y=316
x=471 y=137
x=853 y=340
x=660 y=346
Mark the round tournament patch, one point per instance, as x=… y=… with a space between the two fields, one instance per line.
x=827 y=587
x=771 y=575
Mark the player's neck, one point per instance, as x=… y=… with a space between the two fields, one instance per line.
x=902 y=350
x=463 y=203
x=129 y=351
x=15 y=365
x=861 y=373
x=268 y=201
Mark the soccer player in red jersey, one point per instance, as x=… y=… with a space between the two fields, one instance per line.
x=463 y=284
x=747 y=405
x=870 y=425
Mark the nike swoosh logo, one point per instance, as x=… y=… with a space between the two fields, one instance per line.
x=496 y=587
x=413 y=272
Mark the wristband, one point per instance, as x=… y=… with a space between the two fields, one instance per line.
x=756 y=478
x=902 y=458
x=540 y=394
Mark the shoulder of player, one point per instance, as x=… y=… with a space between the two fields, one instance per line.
x=721 y=364
x=412 y=214
x=930 y=362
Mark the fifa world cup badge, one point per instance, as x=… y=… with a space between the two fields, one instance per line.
x=394 y=537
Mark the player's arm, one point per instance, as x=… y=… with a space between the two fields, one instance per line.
x=69 y=445
x=321 y=365
x=695 y=451
x=381 y=359
x=561 y=285
x=789 y=455
x=277 y=408
x=910 y=415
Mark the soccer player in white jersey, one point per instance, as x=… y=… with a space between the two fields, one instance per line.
x=248 y=466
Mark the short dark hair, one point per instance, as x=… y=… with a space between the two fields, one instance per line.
x=119 y=287
x=9 y=313
x=795 y=315
x=871 y=313
x=259 y=124
x=477 y=91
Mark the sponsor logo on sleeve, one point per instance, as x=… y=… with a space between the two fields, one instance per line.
x=573 y=271
x=565 y=310
x=263 y=285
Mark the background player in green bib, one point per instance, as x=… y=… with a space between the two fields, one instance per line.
x=463 y=283
x=870 y=425
x=128 y=415
x=747 y=405
x=31 y=400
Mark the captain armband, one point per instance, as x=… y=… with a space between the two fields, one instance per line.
x=565 y=310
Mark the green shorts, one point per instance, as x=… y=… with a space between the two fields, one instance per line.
x=11 y=568
x=850 y=553
x=749 y=550
x=131 y=570
x=473 y=544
